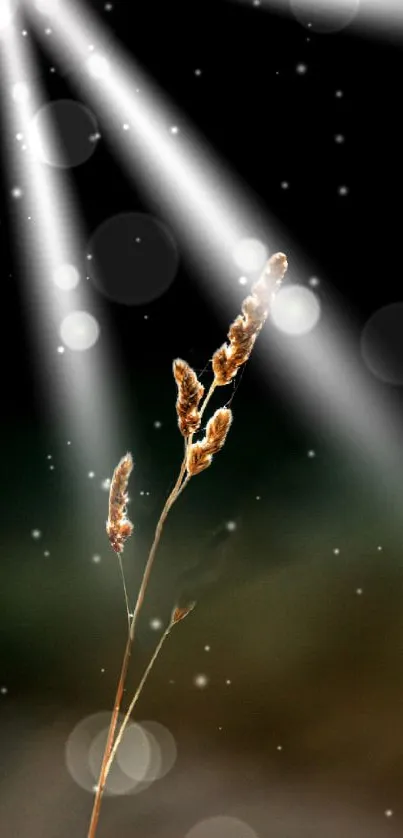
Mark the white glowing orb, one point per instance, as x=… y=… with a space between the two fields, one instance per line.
x=221 y=827
x=66 y=277
x=250 y=255
x=98 y=66
x=200 y=681
x=295 y=310
x=20 y=91
x=79 y=330
x=162 y=752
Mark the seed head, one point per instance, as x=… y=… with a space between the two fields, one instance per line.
x=200 y=454
x=190 y=392
x=118 y=526
x=246 y=327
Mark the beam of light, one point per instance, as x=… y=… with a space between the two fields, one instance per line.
x=375 y=16
x=215 y=220
x=72 y=357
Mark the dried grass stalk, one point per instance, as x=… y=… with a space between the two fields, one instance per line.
x=246 y=327
x=190 y=393
x=118 y=526
x=200 y=454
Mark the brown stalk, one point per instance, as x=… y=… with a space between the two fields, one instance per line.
x=197 y=457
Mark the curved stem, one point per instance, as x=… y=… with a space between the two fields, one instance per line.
x=126 y=657
x=136 y=697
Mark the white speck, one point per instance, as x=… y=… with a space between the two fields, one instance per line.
x=339 y=138
x=256 y=2
x=146 y=317
x=17 y=192
x=343 y=190
x=198 y=72
x=48 y=456
x=126 y=126
x=96 y=559
x=89 y=256
x=108 y=7
x=336 y=551
x=379 y=548
x=258 y=497
x=230 y=526
x=242 y=280
x=102 y=670
x=157 y=424
x=106 y=484
x=3 y=690
x=48 y=31
x=339 y=94
x=311 y=453
x=95 y=788
x=36 y=534
x=301 y=69
x=60 y=350
x=19 y=136
x=228 y=682
x=388 y=813
x=279 y=747
x=68 y=442
x=46 y=553
x=155 y=623
x=359 y=591
x=51 y=468
x=91 y=474
x=174 y=129
x=52 y=70
x=220 y=727
x=284 y=184
x=142 y=492
x=24 y=33
x=200 y=681
x=207 y=648
x=313 y=281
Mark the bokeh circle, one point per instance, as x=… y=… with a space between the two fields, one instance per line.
x=381 y=344
x=325 y=16
x=62 y=134
x=133 y=258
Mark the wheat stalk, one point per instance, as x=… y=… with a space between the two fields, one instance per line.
x=197 y=457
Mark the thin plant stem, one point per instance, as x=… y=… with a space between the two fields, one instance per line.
x=213 y=385
x=126 y=657
x=122 y=573
x=137 y=696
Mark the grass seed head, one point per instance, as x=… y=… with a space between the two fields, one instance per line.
x=246 y=327
x=118 y=526
x=179 y=613
x=190 y=393
x=200 y=454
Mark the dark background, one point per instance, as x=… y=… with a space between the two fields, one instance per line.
x=307 y=739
